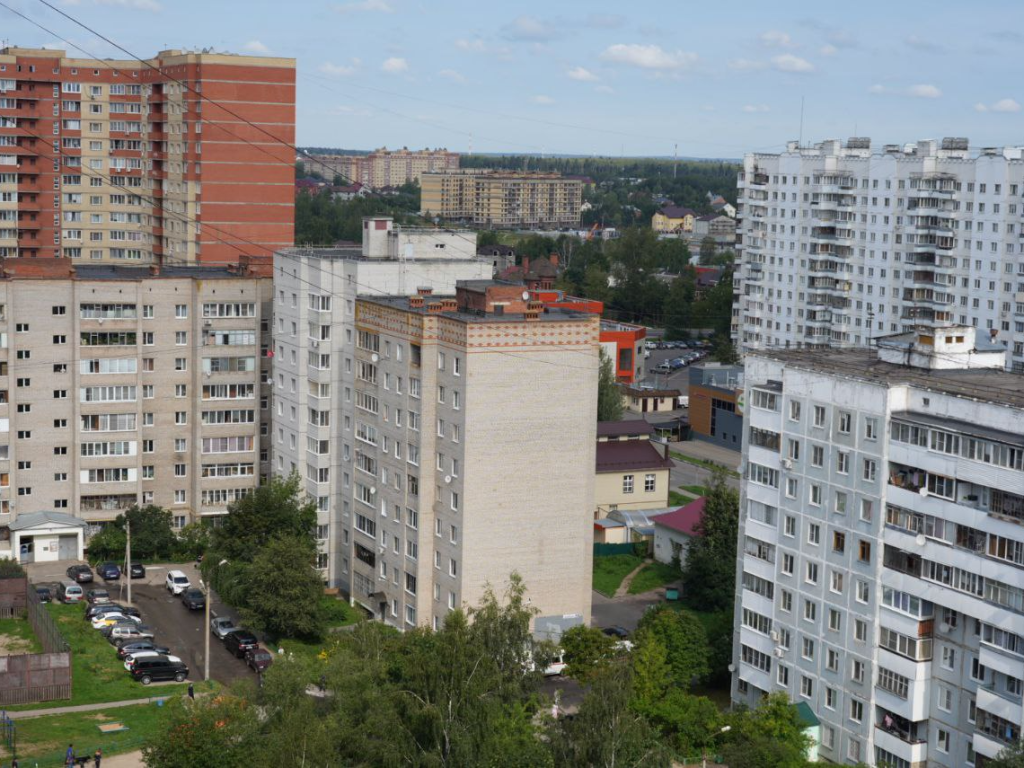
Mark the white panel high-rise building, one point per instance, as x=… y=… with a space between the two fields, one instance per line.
x=880 y=572
x=315 y=292
x=842 y=243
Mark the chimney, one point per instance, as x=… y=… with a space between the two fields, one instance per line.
x=526 y=265
x=424 y=290
x=435 y=308
x=415 y=302
x=554 y=259
x=449 y=305
x=531 y=315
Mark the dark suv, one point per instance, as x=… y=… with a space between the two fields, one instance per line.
x=240 y=641
x=193 y=599
x=158 y=668
x=109 y=571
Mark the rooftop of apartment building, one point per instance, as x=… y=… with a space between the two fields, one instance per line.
x=172 y=53
x=916 y=359
x=480 y=301
x=951 y=148
x=499 y=173
x=625 y=455
x=64 y=269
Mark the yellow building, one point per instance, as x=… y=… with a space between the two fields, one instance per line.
x=502 y=199
x=384 y=167
x=673 y=218
x=630 y=472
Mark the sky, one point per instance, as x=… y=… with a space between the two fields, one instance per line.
x=593 y=77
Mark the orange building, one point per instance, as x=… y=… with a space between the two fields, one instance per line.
x=177 y=157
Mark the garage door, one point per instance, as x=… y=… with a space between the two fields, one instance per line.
x=68 y=548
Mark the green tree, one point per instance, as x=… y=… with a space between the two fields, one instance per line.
x=723 y=350
x=276 y=508
x=204 y=733
x=709 y=574
x=678 y=309
x=152 y=535
x=707 y=250
x=688 y=722
x=1010 y=757
x=487 y=237
x=193 y=541
x=770 y=736
x=607 y=731
x=588 y=650
x=282 y=589
x=714 y=311
x=609 y=395
x=652 y=674
x=107 y=544
x=684 y=639
x=595 y=284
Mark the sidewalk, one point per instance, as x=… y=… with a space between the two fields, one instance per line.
x=127 y=760
x=698 y=449
x=24 y=715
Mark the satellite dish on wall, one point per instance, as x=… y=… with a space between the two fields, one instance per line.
x=920 y=540
x=526 y=295
x=447 y=478
x=375 y=357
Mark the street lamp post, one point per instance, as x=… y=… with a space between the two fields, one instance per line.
x=206 y=630
x=704 y=756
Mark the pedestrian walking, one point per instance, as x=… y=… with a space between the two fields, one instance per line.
x=69 y=756
x=97 y=756
x=191 y=692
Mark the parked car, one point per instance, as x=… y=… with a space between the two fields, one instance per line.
x=97 y=597
x=133 y=658
x=193 y=599
x=137 y=646
x=70 y=593
x=177 y=582
x=80 y=573
x=44 y=594
x=121 y=624
x=259 y=659
x=240 y=641
x=222 y=626
x=107 y=619
x=95 y=610
x=137 y=571
x=108 y=571
x=120 y=635
x=148 y=670
x=618 y=632
x=556 y=665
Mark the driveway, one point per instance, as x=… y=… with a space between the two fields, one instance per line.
x=181 y=630
x=622 y=611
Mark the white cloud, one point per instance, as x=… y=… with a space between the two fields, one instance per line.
x=339 y=70
x=394 y=65
x=543 y=100
x=451 y=74
x=255 y=46
x=1003 y=105
x=378 y=6
x=138 y=5
x=756 y=108
x=828 y=50
x=529 y=28
x=476 y=45
x=924 y=91
x=746 y=65
x=648 y=56
x=775 y=39
x=787 y=62
x=582 y=74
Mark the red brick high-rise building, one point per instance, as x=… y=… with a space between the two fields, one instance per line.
x=119 y=161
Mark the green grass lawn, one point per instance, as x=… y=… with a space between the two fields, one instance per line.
x=652 y=576
x=97 y=675
x=339 y=613
x=703 y=463
x=43 y=741
x=677 y=499
x=610 y=570
x=17 y=637
x=696 y=490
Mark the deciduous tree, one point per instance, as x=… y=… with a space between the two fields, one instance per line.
x=588 y=650
x=281 y=590
x=709 y=574
x=684 y=639
x=609 y=395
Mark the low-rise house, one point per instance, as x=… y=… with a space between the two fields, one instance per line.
x=631 y=472
x=675 y=530
x=349 y=192
x=644 y=400
x=673 y=218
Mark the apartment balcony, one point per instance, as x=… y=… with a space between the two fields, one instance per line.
x=921 y=193
x=1000 y=703
x=988 y=747
x=902 y=738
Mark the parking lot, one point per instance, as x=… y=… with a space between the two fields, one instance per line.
x=175 y=626
x=678 y=379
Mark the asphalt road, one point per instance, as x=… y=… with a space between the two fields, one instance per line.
x=679 y=379
x=183 y=631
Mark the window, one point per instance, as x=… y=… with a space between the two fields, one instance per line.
x=835 y=620
x=843 y=463
x=948 y=657
x=627 y=483
x=810 y=610
x=181 y=311
x=870 y=469
x=813 y=533
x=945 y=698
x=942 y=740
x=836 y=582
x=649 y=483
x=817 y=456
x=819 y=416
x=864 y=551
x=860 y=630
x=807 y=648
x=871 y=429
x=794 y=410
x=788 y=563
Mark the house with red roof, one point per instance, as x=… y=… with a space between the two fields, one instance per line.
x=675 y=530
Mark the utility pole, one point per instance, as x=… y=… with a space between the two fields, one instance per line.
x=128 y=556
x=206 y=632
x=675 y=159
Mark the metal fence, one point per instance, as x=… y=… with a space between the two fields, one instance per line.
x=10 y=612
x=9 y=733
x=600 y=550
x=45 y=628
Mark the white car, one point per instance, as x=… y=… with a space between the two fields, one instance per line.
x=556 y=666
x=132 y=657
x=106 y=619
x=177 y=582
